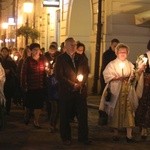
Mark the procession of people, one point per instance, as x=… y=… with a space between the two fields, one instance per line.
x=58 y=80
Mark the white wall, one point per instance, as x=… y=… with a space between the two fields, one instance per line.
x=121 y=25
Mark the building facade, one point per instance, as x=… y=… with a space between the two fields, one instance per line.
x=79 y=19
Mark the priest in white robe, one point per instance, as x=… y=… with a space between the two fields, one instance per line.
x=118 y=75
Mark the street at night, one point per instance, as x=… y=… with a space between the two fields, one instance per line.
x=18 y=136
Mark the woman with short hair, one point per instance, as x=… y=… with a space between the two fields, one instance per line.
x=120 y=108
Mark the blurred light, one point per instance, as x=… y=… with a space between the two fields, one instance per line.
x=1 y=41
x=28 y=7
x=4 y=25
x=13 y=40
x=11 y=21
x=7 y=40
x=20 y=20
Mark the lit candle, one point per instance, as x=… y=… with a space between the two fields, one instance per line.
x=144 y=60
x=122 y=66
x=15 y=58
x=12 y=55
x=51 y=62
x=46 y=66
x=80 y=77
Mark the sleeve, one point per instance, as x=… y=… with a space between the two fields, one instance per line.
x=109 y=73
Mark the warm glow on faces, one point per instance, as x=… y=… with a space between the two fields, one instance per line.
x=70 y=47
x=122 y=54
x=80 y=50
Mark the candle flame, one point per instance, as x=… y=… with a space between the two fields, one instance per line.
x=46 y=64
x=80 y=77
x=121 y=65
x=15 y=58
x=51 y=61
x=11 y=55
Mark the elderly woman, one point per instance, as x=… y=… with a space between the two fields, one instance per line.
x=121 y=106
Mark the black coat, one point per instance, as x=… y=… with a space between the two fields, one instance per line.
x=66 y=73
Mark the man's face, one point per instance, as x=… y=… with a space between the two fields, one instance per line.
x=113 y=45
x=71 y=47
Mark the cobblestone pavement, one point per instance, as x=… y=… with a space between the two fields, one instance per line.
x=18 y=136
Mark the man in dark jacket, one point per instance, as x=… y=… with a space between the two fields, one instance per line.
x=72 y=91
x=108 y=56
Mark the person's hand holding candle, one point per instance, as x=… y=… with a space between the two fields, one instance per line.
x=15 y=58
x=79 y=83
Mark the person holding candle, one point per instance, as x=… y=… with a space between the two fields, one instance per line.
x=52 y=88
x=80 y=50
x=121 y=107
x=143 y=91
x=33 y=76
x=71 y=71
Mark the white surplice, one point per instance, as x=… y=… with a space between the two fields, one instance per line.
x=112 y=71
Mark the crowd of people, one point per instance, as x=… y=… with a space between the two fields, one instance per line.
x=34 y=79
x=127 y=85
x=58 y=80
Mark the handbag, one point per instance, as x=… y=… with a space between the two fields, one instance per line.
x=103 y=118
x=108 y=95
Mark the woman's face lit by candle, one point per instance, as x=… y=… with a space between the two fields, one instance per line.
x=122 y=54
